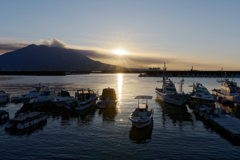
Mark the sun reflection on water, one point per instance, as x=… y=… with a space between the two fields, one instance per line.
x=120 y=83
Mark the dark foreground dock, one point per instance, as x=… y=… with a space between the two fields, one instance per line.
x=218 y=117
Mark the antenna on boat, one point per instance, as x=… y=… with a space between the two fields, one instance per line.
x=221 y=73
x=181 y=85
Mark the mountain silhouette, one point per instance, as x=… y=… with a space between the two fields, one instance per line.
x=41 y=58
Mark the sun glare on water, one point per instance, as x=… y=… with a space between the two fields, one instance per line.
x=120 y=51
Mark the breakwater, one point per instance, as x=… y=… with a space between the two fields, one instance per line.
x=194 y=73
x=148 y=73
x=34 y=73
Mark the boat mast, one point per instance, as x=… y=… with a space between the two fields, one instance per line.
x=181 y=85
x=164 y=74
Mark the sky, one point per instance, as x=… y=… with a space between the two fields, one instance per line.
x=204 y=34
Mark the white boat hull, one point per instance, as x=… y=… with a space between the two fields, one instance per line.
x=110 y=104
x=84 y=106
x=61 y=103
x=207 y=102
x=141 y=125
x=177 y=99
x=233 y=99
x=81 y=105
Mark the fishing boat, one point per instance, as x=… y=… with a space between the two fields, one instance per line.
x=63 y=97
x=4 y=96
x=142 y=75
x=141 y=117
x=168 y=92
x=108 y=99
x=4 y=115
x=229 y=91
x=84 y=98
x=200 y=94
x=26 y=120
x=33 y=93
x=44 y=99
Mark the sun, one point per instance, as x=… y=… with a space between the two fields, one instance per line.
x=120 y=51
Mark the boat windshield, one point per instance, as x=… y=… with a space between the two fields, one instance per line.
x=35 y=89
x=169 y=85
x=202 y=90
x=45 y=94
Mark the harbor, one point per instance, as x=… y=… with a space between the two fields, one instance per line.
x=171 y=127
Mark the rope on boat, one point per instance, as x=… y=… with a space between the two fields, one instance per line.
x=124 y=133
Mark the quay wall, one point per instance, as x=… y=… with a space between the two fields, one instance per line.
x=195 y=73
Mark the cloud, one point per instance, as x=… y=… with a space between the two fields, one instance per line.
x=104 y=56
x=53 y=43
x=12 y=46
x=8 y=47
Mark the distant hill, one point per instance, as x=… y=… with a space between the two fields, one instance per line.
x=40 y=58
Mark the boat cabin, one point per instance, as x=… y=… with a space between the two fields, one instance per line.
x=109 y=92
x=169 y=86
x=83 y=95
x=39 y=88
x=47 y=93
x=64 y=93
x=142 y=110
x=2 y=92
x=143 y=106
x=229 y=87
x=199 y=89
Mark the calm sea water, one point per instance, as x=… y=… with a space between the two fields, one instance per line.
x=108 y=134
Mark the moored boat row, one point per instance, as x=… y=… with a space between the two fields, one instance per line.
x=229 y=92
x=41 y=95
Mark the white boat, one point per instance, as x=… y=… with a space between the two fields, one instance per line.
x=62 y=98
x=229 y=91
x=168 y=92
x=3 y=115
x=141 y=117
x=108 y=99
x=44 y=99
x=84 y=98
x=201 y=95
x=143 y=75
x=4 y=97
x=26 y=120
x=33 y=93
